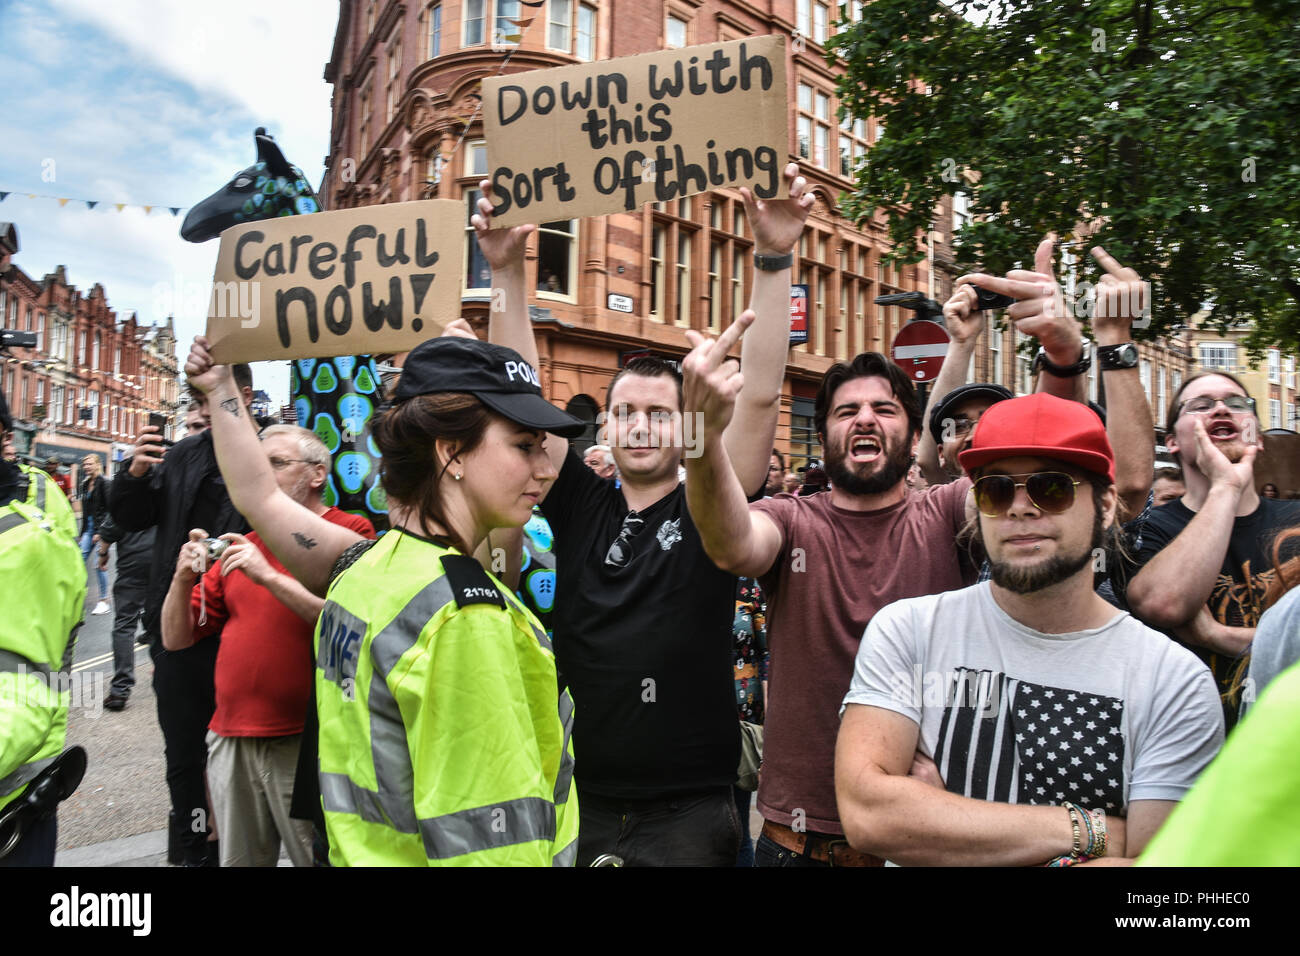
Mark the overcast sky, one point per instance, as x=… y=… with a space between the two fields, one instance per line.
x=152 y=103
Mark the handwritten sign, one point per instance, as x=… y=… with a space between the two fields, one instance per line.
x=604 y=137
x=352 y=282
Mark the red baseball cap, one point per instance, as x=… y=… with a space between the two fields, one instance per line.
x=1042 y=426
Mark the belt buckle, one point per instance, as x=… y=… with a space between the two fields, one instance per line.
x=832 y=846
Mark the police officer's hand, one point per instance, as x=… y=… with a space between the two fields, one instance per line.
x=148 y=451
x=192 y=560
x=247 y=557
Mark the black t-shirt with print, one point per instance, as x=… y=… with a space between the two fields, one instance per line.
x=644 y=647
x=1247 y=568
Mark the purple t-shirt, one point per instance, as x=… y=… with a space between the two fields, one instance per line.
x=836 y=569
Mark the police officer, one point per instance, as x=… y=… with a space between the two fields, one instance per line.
x=442 y=741
x=42 y=591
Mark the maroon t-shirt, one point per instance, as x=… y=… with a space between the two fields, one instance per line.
x=836 y=569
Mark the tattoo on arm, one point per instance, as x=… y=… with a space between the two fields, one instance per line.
x=304 y=541
x=231 y=405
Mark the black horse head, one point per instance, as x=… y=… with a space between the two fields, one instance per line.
x=270 y=187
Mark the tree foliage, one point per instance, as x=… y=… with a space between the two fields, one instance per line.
x=1168 y=127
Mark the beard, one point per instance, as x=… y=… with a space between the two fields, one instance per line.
x=892 y=468
x=1022 y=579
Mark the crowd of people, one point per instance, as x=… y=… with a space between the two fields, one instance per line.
x=986 y=631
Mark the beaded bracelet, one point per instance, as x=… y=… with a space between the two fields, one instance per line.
x=1068 y=860
x=1075 y=815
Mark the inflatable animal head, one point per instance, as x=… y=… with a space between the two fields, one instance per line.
x=270 y=187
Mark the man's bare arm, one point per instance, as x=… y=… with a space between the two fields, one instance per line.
x=964 y=323
x=736 y=540
x=1122 y=298
x=887 y=813
x=508 y=322
x=1175 y=584
x=777 y=226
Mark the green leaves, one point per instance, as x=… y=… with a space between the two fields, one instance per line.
x=1175 y=120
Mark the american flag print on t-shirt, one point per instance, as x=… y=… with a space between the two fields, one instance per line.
x=1011 y=741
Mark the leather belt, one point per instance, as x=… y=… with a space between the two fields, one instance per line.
x=831 y=850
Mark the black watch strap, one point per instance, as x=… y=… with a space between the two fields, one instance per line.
x=1064 y=371
x=773 y=263
x=1114 y=358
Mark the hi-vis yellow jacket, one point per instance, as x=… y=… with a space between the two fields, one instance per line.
x=42 y=595
x=442 y=741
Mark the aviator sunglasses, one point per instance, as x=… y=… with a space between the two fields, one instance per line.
x=1051 y=492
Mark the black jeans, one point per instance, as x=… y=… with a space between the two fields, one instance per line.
x=128 y=606
x=692 y=829
x=182 y=682
x=767 y=852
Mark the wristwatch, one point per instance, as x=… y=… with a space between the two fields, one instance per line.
x=1064 y=371
x=773 y=263
x=1112 y=358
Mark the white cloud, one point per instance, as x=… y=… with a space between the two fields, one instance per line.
x=272 y=65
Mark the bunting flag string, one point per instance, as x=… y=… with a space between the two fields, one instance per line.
x=92 y=203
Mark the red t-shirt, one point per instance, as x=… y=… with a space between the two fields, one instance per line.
x=264 y=666
x=836 y=569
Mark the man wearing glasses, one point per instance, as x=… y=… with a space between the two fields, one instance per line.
x=1023 y=721
x=1205 y=560
x=263 y=672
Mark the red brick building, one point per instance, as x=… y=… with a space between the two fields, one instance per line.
x=91 y=381
x=406 y=126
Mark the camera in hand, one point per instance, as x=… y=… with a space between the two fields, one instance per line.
x=984 y=299
x=216 y=547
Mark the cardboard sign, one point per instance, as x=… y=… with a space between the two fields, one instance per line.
x=798 y=314
x=605 y=137
x=352 y=282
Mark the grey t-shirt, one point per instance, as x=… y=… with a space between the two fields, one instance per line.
x=1099 y=717
x=1276 y=645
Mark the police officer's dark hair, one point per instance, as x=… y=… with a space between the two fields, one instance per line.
x=649 y=367
x=406 y=435
x=866 y=365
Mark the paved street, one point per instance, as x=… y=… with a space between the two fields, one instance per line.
x=123 y=794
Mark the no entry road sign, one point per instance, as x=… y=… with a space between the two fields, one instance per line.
x=919 y=349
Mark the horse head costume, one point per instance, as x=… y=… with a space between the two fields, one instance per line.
x=335 y=397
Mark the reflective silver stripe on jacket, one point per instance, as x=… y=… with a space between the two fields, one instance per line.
x=567 y=856
x=42 y=478
x=482 y=828
x=564 y=776
x=11 y=663
x=12 y=520
x=393 y=802
x=23 y=775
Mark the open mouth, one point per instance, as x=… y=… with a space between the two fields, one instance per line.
x=865 y=448
x=1222 y=430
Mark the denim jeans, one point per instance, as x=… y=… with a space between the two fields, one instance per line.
x=87 y=548
x=692 y=829
x=768 y=852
